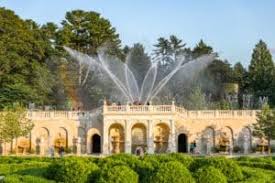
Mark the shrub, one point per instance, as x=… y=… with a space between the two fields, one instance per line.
x=11 y=168
x=227 y=166
x=209 y=174
x=25 y=179
x=70 y=170
x=252 y=175
x=119 y=173
x=172 y=171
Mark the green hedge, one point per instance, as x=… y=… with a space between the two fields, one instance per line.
x=117 y=174
x=172 y=167
x=254 y=175
x=172 y=171
x=228 y=167
x=71 y=170
x=25 y=179
x=33 y=167
x=209 y=174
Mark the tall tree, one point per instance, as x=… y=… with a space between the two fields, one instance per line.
x=163 y=51
x=265 y=126
x=85 y=32
x=240 y=76
x=176 y=46
x=14 y=123
x=201 y=49
x=261 y=72
x=139 y=62
x=24 y=76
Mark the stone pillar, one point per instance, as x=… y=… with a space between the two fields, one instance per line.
x=172 y=140
x=78 y=146
x=42 y=147
x=127 y=137
x=150 y=137
x=105 y=139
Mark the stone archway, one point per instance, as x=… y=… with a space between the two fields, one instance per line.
x=207 y=140
x=116 y=138
x=226 y=139
x=182 y=143
x=245 y=140
x=96 y=144
x=42 y=141
x=61 y=139
x=138 y=137
x=161 y=137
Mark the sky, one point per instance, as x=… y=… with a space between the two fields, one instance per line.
x=231 y=27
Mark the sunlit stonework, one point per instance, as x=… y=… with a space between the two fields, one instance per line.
x=153 y=128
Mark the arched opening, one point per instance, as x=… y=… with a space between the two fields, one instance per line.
x=96 y=144
x=61 y=139
x=226 y=141
x=161 y=138
x=182 y=143
x=138 y=137
x=207 y=140
x=42 y=141
x=116 y=136
x=245 y=140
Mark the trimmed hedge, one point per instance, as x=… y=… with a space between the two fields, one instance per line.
x=25 y=179
x=36 y=167
x=71 y=170
x=117 y=174
x=228 y=167
x=209 y=174
x=172 y=171
x=252 y=175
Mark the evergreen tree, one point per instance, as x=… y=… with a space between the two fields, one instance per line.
x=139 y=62
x=261 y=72
x=201 y=49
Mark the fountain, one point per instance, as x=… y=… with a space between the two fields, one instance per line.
x=125 y=81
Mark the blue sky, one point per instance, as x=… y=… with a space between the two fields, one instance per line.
x=232 y=27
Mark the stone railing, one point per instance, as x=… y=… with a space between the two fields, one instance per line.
x=47 y=115
x=172 y=109
x=142 y=109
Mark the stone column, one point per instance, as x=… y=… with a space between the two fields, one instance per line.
x=127 y=136
x=78 y=146
x=105 y=139
x=172 y=140
x=150 y=137
x=42 y=147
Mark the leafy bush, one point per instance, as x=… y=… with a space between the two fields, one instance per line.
x=209 y=174
x=6 y=168
x=172 y=171
x=25 y=179
x=17 y=159
x=144 y=168
x=252 y=175
x=119 y=174
x=70 y=170
x=228 y=167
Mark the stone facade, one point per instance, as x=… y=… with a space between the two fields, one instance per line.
x=125 y=128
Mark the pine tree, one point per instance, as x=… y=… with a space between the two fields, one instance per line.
x=261 y=72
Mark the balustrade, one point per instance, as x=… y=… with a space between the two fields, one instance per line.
x=143 y=109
